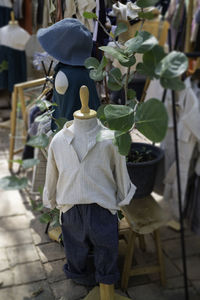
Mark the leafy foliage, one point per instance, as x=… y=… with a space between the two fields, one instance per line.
x=150 y=118
x=13 y=183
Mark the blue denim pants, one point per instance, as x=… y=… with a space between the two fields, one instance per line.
x=90 y=235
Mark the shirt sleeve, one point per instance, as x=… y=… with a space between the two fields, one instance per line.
x=49 y=192
x=125 y=188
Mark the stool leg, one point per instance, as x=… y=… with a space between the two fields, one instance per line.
x=160 y=257
x=128 y=260
x=106 y=291
x=142 y=242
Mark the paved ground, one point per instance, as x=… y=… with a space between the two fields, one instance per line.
x=31 y=264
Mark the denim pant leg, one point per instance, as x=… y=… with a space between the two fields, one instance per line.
x=76 y=246
x=104 y=236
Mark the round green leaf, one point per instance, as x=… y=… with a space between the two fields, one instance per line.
x=60 y=122
x=97 y=75
x=134 y=43
x=29 y=163
x=131 y=94
x=39 y=141
x=100 y=113
x=119 y=117
x=46 y=218
x=130 y=61
x=172 y=65
x=146 y=15
x=116 y=53
x=123 y=142
x=173 y=84
x=115 y=79
x=151 y=119
x=91 y=63
x=146 y=3
x=149 y=41
x=13 y=183
x=121 y=27
x=90 y=15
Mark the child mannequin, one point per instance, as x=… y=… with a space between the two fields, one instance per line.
x=88 y=181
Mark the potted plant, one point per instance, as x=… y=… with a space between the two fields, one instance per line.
x=149 y=117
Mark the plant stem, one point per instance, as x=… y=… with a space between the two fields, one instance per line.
x=104 y=29
x=126 y=85
x=142 y=24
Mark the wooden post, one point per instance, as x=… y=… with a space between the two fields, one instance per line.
x=106 y=291
x=12 y=127
x=189 y=25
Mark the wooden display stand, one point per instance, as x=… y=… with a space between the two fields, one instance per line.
x=18 y=95
x=144 y=216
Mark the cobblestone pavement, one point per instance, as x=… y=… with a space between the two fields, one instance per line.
x=31 y=264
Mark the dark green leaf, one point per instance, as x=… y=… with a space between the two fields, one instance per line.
x=151 y=119
x=103 y=63
x=91 y=63
x=132 y=103
x=131 y=94
x=13 y=183
x=173 y=84
x=97 y=75
x=145 y=70
x=100 y=113
x=116 y=53
x=115 y=79
x=134 y=43
x=90 y=15
x=119 y=117
x=3 y=66
x=60 y=122
x=130 y=61
x=39 y=141
x=29 y=163
x=121 y=27
x=46 y=218
x=146 y=3
x=39 y=207
x=45 y=116
x=172 y=65
x=55 y=222
x=146 y=15
x=123 y=142
x=149 y=41
x=143 y=42
x=44 y=104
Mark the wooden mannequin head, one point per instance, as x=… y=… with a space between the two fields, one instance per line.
x=85 y=112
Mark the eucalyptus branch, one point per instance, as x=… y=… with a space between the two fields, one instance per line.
x=105 y=30
x=143 y=20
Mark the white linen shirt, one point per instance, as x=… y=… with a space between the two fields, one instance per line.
x=100 y=177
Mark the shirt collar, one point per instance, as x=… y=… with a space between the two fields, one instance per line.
x=92 y=134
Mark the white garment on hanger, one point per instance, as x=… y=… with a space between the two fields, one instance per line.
x=86 y=5
x=14 y=36
x=70 y=8
x=188 y=126
x=6 y=3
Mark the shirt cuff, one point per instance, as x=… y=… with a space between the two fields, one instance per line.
x=129 y=196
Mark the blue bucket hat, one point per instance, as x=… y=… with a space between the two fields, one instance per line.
x=68 y=40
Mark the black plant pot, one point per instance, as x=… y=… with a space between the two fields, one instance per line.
x=143 y=174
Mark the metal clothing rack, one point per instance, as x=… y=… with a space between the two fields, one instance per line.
x=190 y=55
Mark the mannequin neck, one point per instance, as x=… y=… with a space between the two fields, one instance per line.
x=84 y=125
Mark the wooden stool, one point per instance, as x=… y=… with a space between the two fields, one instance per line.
x=144 y=216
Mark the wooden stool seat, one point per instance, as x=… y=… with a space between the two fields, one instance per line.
x=144 y=216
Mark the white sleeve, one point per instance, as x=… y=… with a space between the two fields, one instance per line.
x=125 y=188
x=49 y=192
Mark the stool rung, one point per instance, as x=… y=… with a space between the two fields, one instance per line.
x=144 y=270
